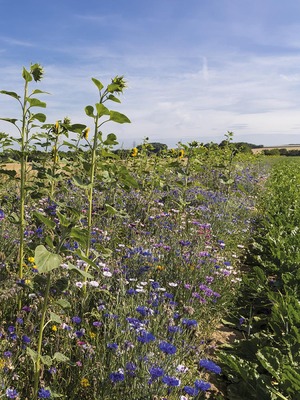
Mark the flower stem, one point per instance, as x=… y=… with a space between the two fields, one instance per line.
x=40 y=339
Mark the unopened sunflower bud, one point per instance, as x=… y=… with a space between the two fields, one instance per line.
x=37 y=72
x=56 y=126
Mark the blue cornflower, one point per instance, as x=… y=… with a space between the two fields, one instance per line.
x=174 y=329
x=44 y=393
x=201 y=385
x=2 y=215
x=113 y=346
x=11 y=393
x=11 y=329
x=144 y=311
x=155 y=303
x=26 y=339
x=189 y=322
x=20 y=321
x=116 y=377
x=155 y=285
x=135 y=323
x=131 y=291
x=52 y=370
x=156 y=372
x=167 y=348
x=7 y=354
x=191 y=391
x=146 y=337
x=13 y=336
x=171 y=381
x=76 y=320
x=210 y=366
x=130 y=368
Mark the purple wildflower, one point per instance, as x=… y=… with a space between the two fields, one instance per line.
x=11 y=393
x=76 y=320
x=44 y=393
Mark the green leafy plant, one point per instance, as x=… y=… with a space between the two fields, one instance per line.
x=27 y=122
x=97 y=142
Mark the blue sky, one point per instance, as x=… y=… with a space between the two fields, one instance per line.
x=195 y=68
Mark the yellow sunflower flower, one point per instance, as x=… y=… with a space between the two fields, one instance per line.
x=85 y=133
x=181 y=153
x=134 y=152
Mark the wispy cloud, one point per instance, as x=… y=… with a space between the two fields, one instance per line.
x=16 y=42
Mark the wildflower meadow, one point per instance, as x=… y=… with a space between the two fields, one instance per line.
x=118 y=268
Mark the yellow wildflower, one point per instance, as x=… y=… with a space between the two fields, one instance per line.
x=31 y=259
x=85 y=133
x=181 y=153
x=27 y=281
x=92 y=335
x=54 y=328
x=2 y=363
x=84 y=382
x=160 y=268
x=134 y=152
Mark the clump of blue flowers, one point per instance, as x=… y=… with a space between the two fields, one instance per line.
x=167 y=348
x=210 y=366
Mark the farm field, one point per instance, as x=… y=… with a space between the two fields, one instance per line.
x=119 y=278
x=288 y=148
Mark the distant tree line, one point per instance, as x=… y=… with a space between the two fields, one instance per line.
x=151 y=148
x=282 y=152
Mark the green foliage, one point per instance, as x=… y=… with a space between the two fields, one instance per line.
x=121 y=255
x=45 y=260
x=271 y=291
